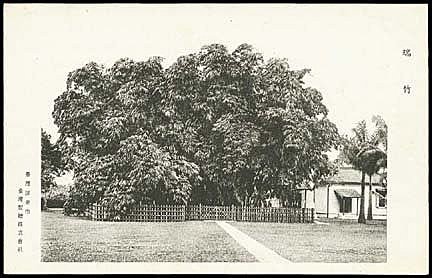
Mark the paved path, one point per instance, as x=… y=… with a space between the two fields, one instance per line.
x=321 y=223
x=261 y=253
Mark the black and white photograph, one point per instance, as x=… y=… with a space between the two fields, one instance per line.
x=241 y=136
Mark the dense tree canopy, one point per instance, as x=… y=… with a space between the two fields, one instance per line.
x=214 y=127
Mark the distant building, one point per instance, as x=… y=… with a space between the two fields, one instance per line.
x=340 y=196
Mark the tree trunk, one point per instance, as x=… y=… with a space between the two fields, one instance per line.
x=44 y=202
x=369 y=214
x=361 y=218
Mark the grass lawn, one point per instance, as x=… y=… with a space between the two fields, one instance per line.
x=71 y=239
x=341 y=242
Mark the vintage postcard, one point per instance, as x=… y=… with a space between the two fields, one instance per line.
x=216 y=138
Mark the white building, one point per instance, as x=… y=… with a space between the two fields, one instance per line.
x=340 y=196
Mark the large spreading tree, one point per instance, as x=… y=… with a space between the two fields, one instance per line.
x=216 y=127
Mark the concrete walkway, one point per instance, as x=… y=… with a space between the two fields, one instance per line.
x=261 y=253
x=321 y=223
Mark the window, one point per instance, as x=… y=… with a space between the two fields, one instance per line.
x=381 y=198
x=346 y=205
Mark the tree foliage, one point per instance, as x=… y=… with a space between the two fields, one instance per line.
x=365 y=150
x=52 y=164
x=215 y=127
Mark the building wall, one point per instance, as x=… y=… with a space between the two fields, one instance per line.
x=310 y=202
x=317 y=199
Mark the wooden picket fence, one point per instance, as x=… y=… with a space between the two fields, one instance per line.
x=176 y=213
x=141 y=213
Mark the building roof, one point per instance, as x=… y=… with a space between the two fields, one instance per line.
x=347 y=193
x=349 y=175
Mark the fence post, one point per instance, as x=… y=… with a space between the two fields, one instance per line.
x=184 y=214
x=243 y=213
x=200 y=212
x=312 y=216
x=303 y=215
x=233 y=214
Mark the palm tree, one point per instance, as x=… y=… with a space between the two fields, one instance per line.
x=380 y=139
x=351 y=148
x=364 y=153
x=373 y=157
x=380 y=135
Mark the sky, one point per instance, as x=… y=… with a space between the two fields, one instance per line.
x=354 y=52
